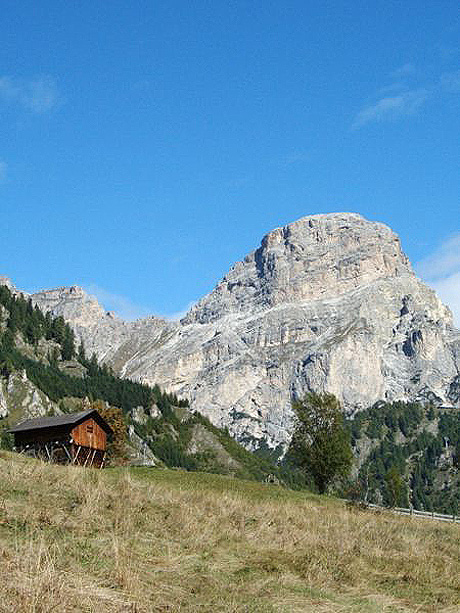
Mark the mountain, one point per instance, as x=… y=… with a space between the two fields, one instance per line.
x=42 y=373
x=326 y=303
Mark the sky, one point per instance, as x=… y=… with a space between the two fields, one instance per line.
x=147 y=146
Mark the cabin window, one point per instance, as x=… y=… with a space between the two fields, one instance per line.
x=89 y=427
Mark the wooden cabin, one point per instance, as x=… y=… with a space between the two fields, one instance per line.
x=75 y=438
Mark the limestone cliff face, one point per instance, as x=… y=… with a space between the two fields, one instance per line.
x=315 y=258
x=327 y=303
x=112 y=339
x=21 y=399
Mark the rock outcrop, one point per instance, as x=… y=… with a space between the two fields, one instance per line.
x=113 y=340
x=21 y=399
x=327 y=303
x=3 y=403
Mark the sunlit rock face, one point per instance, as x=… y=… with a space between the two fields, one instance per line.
x=113 y=340
x=315 y=258
x=327 y=303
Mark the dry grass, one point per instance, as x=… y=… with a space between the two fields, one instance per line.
x=162 y=541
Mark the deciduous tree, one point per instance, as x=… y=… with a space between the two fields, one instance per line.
x=321 y=444
x=114 y=417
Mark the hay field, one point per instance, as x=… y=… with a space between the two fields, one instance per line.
x=156 y=540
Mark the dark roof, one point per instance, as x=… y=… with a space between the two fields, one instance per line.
x=69 y=419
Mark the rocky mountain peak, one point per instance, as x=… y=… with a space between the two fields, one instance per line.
x=10 y=285
x=314 y=258
x=6 y=281
x=328 y=303
x=72 y=303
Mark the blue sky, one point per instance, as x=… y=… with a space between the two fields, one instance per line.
x=147 y=146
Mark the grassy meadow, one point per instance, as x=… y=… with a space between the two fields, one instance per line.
x=157 y=540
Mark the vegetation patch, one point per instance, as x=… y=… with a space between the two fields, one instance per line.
x=407 y=454
x=148 y=540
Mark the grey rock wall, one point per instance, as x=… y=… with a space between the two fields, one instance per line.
x=327 y=303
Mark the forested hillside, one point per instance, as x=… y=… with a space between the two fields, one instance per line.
x=42 y=348
x=407 y=454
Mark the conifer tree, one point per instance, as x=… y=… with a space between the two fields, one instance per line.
x=81 y=353
x=68 y=343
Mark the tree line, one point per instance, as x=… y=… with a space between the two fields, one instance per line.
x=414 y=457
x=99 y=382
x=402 y=468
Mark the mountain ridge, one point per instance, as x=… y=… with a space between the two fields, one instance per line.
x=327 y=303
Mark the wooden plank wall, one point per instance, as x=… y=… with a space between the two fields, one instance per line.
x=90 y=434
x=43 y=435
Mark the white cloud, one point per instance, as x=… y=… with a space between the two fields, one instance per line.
x=392 y=107
x=394 y=88
x=441 y=270
x=406 y=70
x=443 y=262
x=178 y=315
x=448 y=290
x=398 y=99
x=37 y=95
x=128 y=310
x=292 y=158
x=123 y=307
x=3 y=171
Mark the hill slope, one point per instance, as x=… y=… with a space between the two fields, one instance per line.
x=157 y=540
x=416 y=447
x=41 y=372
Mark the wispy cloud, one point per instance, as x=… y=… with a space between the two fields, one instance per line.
x=128 y=310
x=3 y=171
x=401 y=98
x=393 y=88
x=448 y=290
x=122 y=306
x=391 y=107
x=444 y=261
x=441 y=270
x=178 y=315
x=38 y=95
x=291 y=158
x=406 y=70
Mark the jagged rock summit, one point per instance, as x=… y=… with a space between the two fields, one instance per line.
x=326 y=303
x=314 y=258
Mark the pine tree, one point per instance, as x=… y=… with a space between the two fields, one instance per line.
x=81 y=353
x=48 y=325
x=68 y=343
x=93 y=367
x=395 y=487
x=58 y=329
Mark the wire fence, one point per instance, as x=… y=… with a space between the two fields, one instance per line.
x=411 y=512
